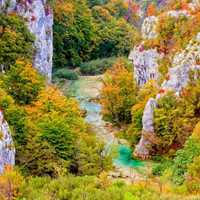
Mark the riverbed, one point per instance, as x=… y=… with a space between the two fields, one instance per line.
x=86 y=90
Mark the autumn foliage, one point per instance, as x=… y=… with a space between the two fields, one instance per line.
x=118 y=94
x=151 y=10
x=10 y=183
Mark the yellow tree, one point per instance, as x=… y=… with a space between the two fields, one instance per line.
x=118 y=93
x=10 y=183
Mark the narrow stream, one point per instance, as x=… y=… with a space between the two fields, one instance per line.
x=85 y=89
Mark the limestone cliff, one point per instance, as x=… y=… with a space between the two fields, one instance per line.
x=7 y=150
x=146 y=68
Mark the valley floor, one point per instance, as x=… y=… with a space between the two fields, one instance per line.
x=87 y=91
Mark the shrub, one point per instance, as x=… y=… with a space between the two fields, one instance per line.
x=85 y=187
x=56 y=131
x=98 y=66
x=89 y=156
x=66 y=74
x=159 y=168
x=137 y=114
x=183 y=158
x=193 y=176
x=23 y=82
x=17 y=119
x=5 y=100
x=131 y=134
x=10 y=183
x=119 y=93
x=39 y=158
x=165 y=116
x=16 y=42
x=196 y=132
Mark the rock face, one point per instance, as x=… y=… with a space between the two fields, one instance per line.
x=145 y=68
x=145 y=64
x=145 y=61
x=39 y=19
x=142 y=150
x=7 y=150
x=182 y=63
x=149 y=27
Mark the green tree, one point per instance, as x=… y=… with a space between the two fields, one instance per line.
x=73 y=33
x=115 y=37
x=118 y=94
x=90 y=158
x=57 y=132
x=183 y=158
x=15 y=40
x=165 y=115
x=23 y=82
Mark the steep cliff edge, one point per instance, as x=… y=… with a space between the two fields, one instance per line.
x=145 y=62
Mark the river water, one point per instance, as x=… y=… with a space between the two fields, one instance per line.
x=86 y=89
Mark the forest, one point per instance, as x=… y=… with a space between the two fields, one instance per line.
x=118 y=119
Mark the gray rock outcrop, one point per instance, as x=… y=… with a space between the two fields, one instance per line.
x=145 y=61
x=145 y=64
x=7 y=150
x=149 y=28
x=143 y=149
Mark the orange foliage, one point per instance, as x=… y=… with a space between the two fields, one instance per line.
x=135 y=7
x=103 y=13
x=118 y=93
x=151 y=10
x=52 y=99
x=10 y=183
x=184 y=5
x=161 y=91
x=63 y=8
x=196 y=132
